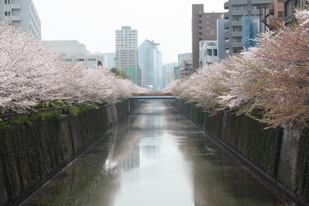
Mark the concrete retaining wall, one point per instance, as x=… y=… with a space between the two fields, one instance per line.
x=274 y=156
x=32 y=152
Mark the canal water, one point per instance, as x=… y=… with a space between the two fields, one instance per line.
x=155 y=157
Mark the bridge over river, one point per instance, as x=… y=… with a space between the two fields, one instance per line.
x=155 y=157
x=153 y=95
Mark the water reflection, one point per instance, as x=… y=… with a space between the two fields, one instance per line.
x=155 y=157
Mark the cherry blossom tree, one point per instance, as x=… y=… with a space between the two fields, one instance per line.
x=30 y=74
x=26 y=72
x=285 y=90
x=272 y=77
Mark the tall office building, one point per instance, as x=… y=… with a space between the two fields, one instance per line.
x=21 y=14
x=253 y=10
x=204 y=27
x=150 y=63
x=126 y=57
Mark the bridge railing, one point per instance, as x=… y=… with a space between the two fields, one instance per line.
x=153 y=94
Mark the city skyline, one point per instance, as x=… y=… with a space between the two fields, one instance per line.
x=94 y=23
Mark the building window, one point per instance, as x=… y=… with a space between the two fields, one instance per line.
x=236 y=51
x=7 y=1
x=237 y=18
x=80 y=60
x=236 y=39
x=209 y=52
x=7 y=13
x=237 y=29
x=215 y=52
x=239 y=8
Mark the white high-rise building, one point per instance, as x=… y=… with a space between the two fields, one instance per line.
x=21 y=14
x=126 y=57
x=150 y=63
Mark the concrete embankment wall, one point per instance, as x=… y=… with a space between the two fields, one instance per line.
x=274 y=156
x=35 y=149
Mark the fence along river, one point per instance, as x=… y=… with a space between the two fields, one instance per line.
x=154 y=157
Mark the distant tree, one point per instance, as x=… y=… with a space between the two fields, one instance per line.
x=119 y=73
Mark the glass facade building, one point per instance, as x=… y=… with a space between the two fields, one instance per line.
x=150 y=63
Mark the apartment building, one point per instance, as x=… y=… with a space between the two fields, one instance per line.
x=204 y=27
x=254 y=9
x=126 y=57
x=21 y=14
x=208 y=52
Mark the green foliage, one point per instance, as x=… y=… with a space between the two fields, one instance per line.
x=73 y=110
x=58 y=103
x=76 y=110
x=22 y=119
x=119 y=73
x=4 y=125
x=54 y=114
x=50 y=114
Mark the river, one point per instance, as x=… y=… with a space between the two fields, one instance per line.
x=155 y=157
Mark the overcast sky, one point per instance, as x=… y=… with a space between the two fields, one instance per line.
x=93 y=22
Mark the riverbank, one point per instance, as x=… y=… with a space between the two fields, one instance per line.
x=35 y=149
x=273 y=156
